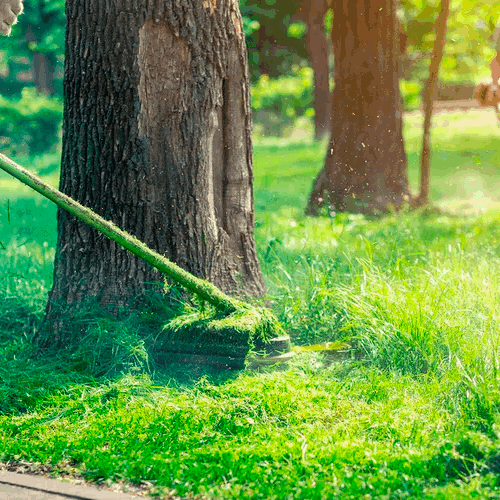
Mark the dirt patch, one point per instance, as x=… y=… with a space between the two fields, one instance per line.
x=469 y=112
x=456 y=104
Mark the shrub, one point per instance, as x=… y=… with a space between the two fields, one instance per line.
x=277 y=103
x=411 y=92
x=30 y=124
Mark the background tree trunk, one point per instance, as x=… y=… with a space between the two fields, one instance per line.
x=265 y=40
x=43 y=73
x=317 y=46
x=429 y=91
x=365 y=168
x=157 y=139
x=43 y=64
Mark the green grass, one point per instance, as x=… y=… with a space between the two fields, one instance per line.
x=412 y=413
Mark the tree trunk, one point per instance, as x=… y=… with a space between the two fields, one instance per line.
x=365 y=168
x=317 y=46
x=429 y=91
x=265 y=39
x=43 y=66
x=43 y=73
x=157 y=139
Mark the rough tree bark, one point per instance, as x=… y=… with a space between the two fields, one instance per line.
x=157 y=139
x=365 y=168
x=317 y=46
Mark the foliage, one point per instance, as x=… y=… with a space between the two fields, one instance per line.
x=40 y=31
x=412 y=412
x=288 y=96
x=277 y=103
x=275 y=37
x=31 y=123
x=279 y=98
x=411 y=94
x=468 y=47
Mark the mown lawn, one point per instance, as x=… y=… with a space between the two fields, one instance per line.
x=412 y=413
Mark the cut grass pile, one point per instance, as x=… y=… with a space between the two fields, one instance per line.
x=412 y=413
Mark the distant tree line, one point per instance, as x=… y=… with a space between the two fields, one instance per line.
x=281 y=35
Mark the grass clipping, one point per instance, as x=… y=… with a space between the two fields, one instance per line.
x=235 y=326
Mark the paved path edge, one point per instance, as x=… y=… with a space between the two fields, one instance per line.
x=61 y=489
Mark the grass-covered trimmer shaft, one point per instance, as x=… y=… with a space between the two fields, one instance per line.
x=248 y=322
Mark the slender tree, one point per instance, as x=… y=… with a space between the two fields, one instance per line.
x=437 y=55
x=365 y=168
x=157 y=139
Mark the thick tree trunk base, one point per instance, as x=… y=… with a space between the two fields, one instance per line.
x=157 y=139
x=365 y=168
x=326 y=196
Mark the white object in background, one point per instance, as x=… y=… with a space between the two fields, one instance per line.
x=9 y=10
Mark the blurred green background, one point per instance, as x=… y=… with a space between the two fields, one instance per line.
x=32 y=61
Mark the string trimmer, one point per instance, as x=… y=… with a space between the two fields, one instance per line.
x=224 y=340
